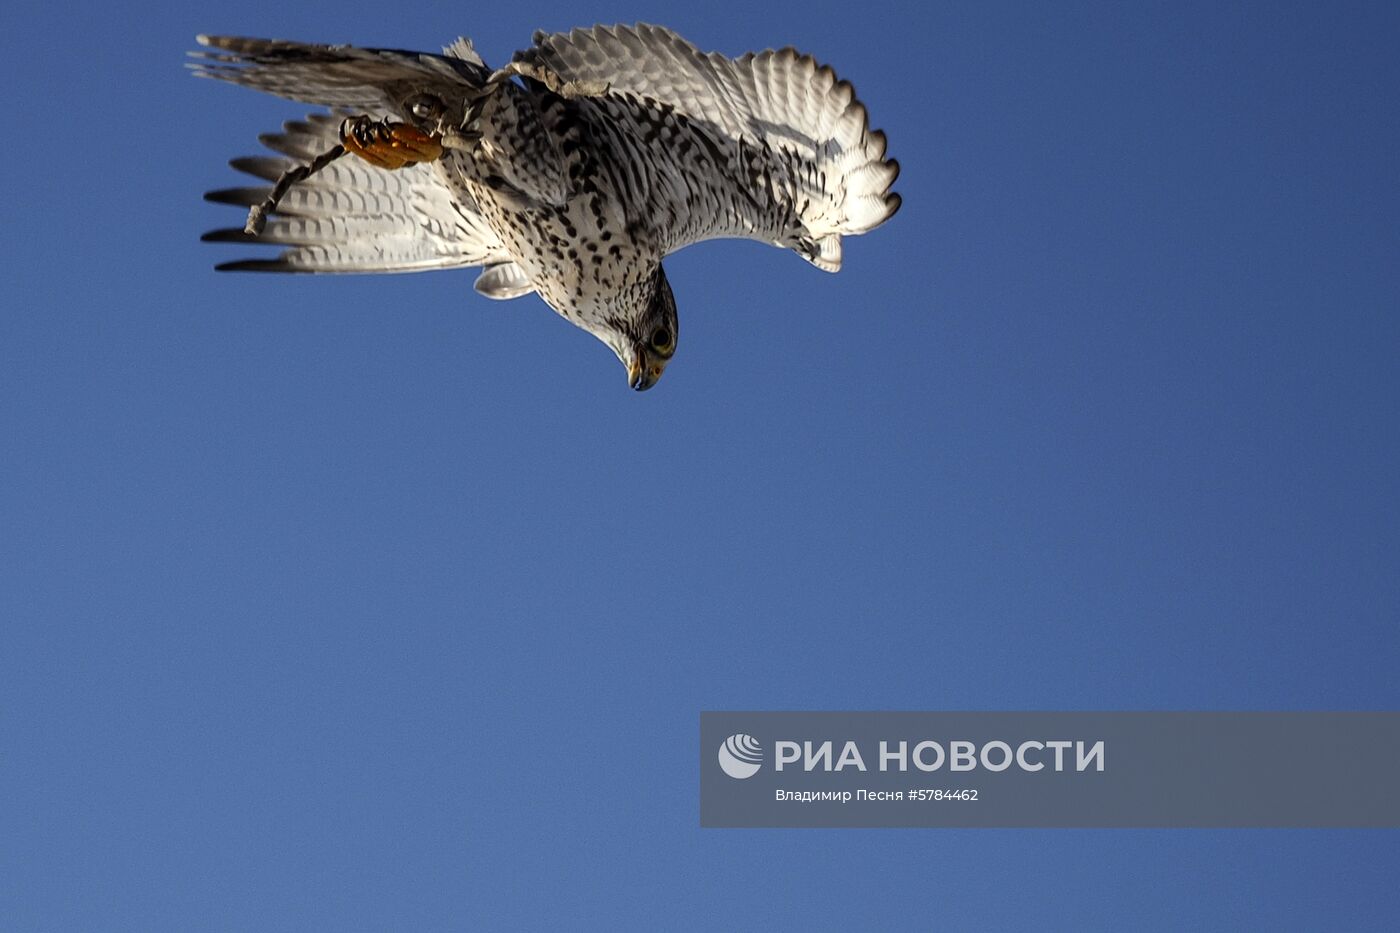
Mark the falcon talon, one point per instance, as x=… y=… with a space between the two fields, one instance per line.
x=388 y=145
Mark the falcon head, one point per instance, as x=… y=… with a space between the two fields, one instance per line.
x=646 y=342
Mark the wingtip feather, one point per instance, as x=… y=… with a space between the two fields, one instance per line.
x=227 y=235
x=258 y=265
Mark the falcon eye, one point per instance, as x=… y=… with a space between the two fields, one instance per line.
x=661 y=340
x=425 y=106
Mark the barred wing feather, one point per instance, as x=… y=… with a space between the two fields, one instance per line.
x=796 y=141
x=352 y=217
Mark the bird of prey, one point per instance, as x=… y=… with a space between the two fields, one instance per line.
x=570 y=172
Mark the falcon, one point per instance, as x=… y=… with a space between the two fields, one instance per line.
x=571 y=172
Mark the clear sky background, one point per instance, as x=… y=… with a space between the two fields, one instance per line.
x=365 y=603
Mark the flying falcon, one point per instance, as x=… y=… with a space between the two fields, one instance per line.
x=571 y=172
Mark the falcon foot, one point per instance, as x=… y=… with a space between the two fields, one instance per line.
x=388 y=145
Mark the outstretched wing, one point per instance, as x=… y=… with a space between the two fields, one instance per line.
x=372 y=81
x=770 y=146
x=353 y=217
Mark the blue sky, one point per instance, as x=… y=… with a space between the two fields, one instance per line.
x=364 y=603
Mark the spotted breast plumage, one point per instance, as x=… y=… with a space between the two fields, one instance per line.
x=571 y=172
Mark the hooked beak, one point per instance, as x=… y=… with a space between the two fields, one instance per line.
x=642 y=377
